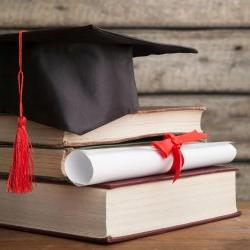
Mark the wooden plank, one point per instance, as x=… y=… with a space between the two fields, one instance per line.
x=227 y=117
x=222 y=64
x=231 y=234
x=150 y=13
x=243 y=180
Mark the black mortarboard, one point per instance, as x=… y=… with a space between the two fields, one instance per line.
x=76 y=79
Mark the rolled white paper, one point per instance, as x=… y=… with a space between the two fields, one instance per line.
x=93 y=166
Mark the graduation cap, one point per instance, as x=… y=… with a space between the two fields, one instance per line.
x=76 y=79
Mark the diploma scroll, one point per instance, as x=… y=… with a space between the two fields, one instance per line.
x=92 y=166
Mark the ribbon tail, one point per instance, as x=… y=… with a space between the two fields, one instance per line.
x=177 y=163
x=190 y=137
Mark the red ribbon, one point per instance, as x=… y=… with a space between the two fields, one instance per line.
x=172 y=144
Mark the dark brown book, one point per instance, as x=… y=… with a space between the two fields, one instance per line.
x=123 y=210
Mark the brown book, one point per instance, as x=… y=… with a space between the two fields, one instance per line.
x=123 y=210
x=48 y=162
x=146 y=123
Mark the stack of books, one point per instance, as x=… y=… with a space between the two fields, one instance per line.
x=123 y=185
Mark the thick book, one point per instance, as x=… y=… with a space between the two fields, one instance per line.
x=123 y=210
x=146 y=123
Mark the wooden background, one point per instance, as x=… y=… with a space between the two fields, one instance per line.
x=218 y=77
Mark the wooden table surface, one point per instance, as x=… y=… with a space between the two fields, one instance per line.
x=227 y=234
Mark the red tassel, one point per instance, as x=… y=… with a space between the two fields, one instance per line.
x=21 y=172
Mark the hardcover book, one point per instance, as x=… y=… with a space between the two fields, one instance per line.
x=123 y=210
x=145 y=123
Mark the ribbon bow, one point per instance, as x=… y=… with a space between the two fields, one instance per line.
x=172 y=144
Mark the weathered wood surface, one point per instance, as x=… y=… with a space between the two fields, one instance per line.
x=221 y=66
x=227 y=117
x=243 y=180
x=150 y=13
x=230 y=234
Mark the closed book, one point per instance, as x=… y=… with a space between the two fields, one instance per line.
x=145 y=123
x=123 y=210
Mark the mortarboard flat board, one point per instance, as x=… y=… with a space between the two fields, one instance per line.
x=76 y=79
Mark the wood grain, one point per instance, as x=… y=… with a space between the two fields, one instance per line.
x=231 y=234
x=150 y=13
x=221 y=66
x=227 y=117
x=243 y=180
